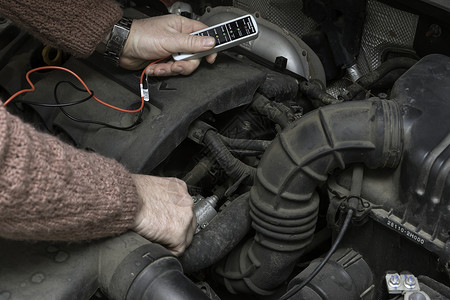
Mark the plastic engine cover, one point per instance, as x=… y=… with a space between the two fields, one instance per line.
x=424 y=92
x=175 y=102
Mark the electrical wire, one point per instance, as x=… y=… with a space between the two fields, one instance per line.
x=144 y=96
x=34 y=103
x=313 y=274
x=75 y=119
x=33 y=88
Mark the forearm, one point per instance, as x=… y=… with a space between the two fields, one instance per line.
x=52 y=191
x=74 y=26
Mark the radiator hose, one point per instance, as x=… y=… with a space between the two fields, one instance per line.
x=283 y=202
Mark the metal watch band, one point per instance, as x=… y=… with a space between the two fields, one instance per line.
x=117 y=39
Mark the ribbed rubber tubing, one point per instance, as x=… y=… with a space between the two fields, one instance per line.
x=283 y=202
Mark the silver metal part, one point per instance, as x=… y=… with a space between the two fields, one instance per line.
x=385 y=28
x=182 y=8
x=354 y=73
x=394 y=281
x=204 y=210
x=418 y=295
x=400 y=284
x=272 y=42
x=285 y=13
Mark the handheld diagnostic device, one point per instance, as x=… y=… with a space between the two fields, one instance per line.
x=227 y=34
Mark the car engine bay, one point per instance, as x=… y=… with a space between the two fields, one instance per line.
x=316 y=156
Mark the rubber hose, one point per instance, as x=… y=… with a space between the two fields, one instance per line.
x=222 y=234
x=199 y=171
x=283 y=202
x=314 y=92
x=384 y=84
x=234 y=168
x=371 y=78
x=131 y=267
x=264 y=106
x=245 y=144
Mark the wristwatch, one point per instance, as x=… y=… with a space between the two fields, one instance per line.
x=116 y=40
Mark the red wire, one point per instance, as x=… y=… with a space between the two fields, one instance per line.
x=33 y=88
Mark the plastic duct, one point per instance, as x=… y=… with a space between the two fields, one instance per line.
x=283 y=202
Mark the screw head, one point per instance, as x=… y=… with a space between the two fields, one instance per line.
x=394 y=280
x=410 y=281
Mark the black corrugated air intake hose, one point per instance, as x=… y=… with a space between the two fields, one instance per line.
x=283 y=202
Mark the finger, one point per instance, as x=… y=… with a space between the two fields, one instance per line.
x=185 y=67
x=193 y=226
x=190 y=233
x=160 y=69
x=211 y=58
x=183 y=199
x=178 y=250
x=171 y=68
x=189 y=236
x=184 y=43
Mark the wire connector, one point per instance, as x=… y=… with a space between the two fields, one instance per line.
x=144 y=93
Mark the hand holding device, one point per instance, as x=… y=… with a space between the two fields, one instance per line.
x=227 y=34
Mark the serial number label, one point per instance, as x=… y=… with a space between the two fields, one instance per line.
x=405 y=232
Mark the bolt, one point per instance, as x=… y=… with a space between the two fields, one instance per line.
x=394 y=280
x=434 y=31
x=410 y=281
x=382 y=95
x=197 y=134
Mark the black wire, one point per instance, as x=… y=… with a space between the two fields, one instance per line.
x=61 y=105
x=301 y=285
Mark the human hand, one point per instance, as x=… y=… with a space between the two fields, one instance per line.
x=166 y=216
x=158 y=37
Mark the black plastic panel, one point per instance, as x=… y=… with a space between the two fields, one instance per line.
x=425 y=185
x=175 y=102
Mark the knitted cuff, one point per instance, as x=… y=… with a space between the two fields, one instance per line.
x=52 y=191
x=73 y=26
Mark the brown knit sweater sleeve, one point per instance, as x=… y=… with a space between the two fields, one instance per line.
x=73 y=26
x=52 y=191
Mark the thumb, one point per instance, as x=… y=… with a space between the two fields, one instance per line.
x=195 y=43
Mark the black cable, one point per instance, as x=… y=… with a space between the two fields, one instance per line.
x=234 y=168
x=311 y=276
x=61 y=105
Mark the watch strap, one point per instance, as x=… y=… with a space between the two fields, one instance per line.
x=117 y=39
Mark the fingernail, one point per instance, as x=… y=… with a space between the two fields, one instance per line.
x=208 y=42
x=178 y=69
x=161 y=72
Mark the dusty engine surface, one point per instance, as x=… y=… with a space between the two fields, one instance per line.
x=317 y=170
